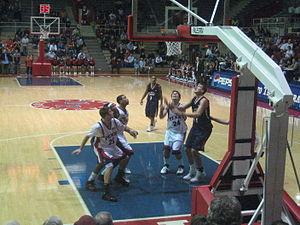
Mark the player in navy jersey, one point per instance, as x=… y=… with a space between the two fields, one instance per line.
x=175 y=133
x=122 y=114
x=199 y=133
x=106 y=150
x=154 y=95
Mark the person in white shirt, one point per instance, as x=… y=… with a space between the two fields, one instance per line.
x=158 y=61
x=175 y=133
x=106 y=149
x=289 y=52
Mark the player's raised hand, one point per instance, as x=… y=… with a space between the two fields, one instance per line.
x=76 y=152
x=168 y=104
x=166 y=101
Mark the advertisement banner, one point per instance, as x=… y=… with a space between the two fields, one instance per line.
x=222 y=80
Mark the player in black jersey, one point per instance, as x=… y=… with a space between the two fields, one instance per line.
x=199 y=133
x=154 y=93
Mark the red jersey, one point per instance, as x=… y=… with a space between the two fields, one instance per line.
x=92 y=62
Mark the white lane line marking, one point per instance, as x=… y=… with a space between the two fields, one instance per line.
x=87 y=211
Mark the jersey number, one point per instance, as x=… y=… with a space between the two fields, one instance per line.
x=176 y=123
x=111 y=141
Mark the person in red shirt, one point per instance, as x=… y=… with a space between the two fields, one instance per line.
x=74 y=66
x=92 y=65
x=68 y=66
x=28 y=64
x=79 y=66
x=55 y=63
x=62 y=66
x=85 y=66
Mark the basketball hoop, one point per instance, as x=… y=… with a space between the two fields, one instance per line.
x=173 y=48
x=44 y=34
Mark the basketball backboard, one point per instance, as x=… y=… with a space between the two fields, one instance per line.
x=160 y=19
x=43 y=25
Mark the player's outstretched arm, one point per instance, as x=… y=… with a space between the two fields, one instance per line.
x=163 y=109
x=202 y=106
x=224 y=122
x=84 y=141
x=186 y=105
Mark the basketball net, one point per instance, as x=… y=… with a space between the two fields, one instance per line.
x=173 y=48
x=44 y=34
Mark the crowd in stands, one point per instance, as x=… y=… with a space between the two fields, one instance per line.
x=68 y=55
x=66 y=52
x=10 y=10
x=222 y=211
x=12 y=50
x=111 y=28
x=285 y=51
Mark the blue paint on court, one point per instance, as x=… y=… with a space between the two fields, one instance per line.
x=47 y=81
x=149 y=195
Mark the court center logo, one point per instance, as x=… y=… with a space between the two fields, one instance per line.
x=69 y=104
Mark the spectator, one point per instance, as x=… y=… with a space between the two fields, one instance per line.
x=86 y=220
x=199 y=220
x=225 y=210
x=289 y=52
x=104 y=218
x=28 y=64
x=52 y=47
x=209 y=53
x=16 y=61
x=129 y=60
x=158 y=61
x=115 y=64
x=142 y=65
x=53 y=220
x=24 y=44
x=6 y=60
x=84 y=15
x=136 y=67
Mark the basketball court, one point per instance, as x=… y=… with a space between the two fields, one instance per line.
x=44 y=118
x=37 y=136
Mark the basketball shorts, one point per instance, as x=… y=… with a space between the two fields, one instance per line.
x=151 y=108
x=108 y=154
x=123 y=144
x=198 y=137
x=174 y=141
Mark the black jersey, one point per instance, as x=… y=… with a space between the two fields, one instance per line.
x=204 y=119
x=154 y=92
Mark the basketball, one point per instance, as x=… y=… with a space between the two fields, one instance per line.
x=184 y=31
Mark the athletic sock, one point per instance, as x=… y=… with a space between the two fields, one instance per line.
x=92 y=176
x=166 y=161
x=180 y=162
